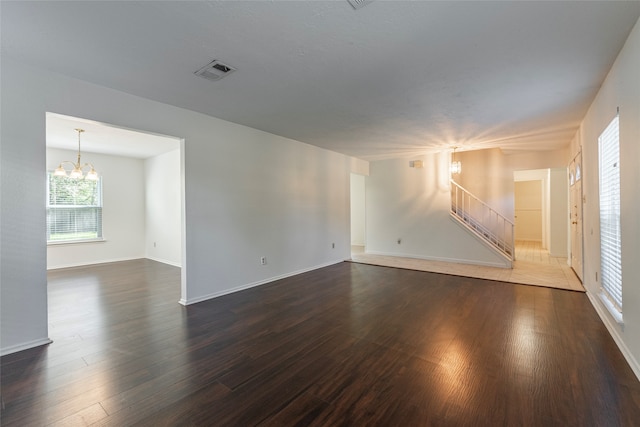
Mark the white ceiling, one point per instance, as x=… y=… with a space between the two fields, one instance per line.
x=391 y=79
x=104 y=138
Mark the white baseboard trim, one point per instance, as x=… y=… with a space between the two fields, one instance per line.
x=83 y=264
x=611 y=324
x=442 y=259
x=25 y=346
x=254 y=284
x=164 y=261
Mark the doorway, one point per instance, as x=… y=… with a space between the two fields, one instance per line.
x=528 y=210
x=142 y=192
x=531 y=203
x=545 y=191
x=358 y=215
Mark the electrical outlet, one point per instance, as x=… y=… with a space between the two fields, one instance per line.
x=263 y=260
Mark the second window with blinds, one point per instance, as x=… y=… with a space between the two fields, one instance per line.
x=610 y=235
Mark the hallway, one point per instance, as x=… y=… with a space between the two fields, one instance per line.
x=533 y=266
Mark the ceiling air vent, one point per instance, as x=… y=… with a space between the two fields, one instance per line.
x=357 y=4
x=215 y=70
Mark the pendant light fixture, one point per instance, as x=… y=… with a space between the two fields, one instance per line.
x=456 y=166
x=77 y=172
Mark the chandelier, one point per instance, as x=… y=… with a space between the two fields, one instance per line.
x=456 y=167
x=77 y=171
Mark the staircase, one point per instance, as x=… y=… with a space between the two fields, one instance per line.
x=484 y=222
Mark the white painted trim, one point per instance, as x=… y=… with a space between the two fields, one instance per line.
x=428 y=258
x=164 y=261
x=75 y=242
x=254 y=284
x=617 y=316
x=25 y=346
x=609 y=321
x=93 y=263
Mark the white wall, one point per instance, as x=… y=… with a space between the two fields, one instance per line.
x=413 y=205
x=123 y=212
x=558 y=212
x=487 y=175
x=247 y=194
x=358 y=218
x=621 y=89
x=528 y=160
x=163 y=230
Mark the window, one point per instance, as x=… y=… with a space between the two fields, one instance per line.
x=610 y=242
x=572 y=175
x=74 y=209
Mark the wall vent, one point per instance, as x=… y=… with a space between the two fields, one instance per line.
x=357 y=4
x=215 y=70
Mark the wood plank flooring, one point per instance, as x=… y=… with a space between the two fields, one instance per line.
x=346 y=345
x=533 y=266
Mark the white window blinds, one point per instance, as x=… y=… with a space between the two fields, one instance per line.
x=74 y=209
x=610 y=242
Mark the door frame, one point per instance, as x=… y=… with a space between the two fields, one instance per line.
x=541 y=175
x=574 y=178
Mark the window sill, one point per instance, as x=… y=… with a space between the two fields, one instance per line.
x=617 y=316
x=75 y=242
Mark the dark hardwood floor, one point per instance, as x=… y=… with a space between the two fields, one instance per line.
x=346 y=345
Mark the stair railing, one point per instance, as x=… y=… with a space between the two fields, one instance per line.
x=483 y=221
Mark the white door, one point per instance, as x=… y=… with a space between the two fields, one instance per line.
x=575 y=197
